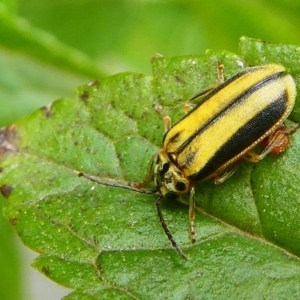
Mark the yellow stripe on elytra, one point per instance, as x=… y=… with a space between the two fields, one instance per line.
x=207 y=111
x=204 y=146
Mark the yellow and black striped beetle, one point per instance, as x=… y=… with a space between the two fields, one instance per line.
x=217 y=134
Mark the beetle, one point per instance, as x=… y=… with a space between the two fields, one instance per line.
x=216 y=135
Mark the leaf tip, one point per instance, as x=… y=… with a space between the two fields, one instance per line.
x=47 y=110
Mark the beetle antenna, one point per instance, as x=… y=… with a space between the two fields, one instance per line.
x=114 y=183
x=167 y=230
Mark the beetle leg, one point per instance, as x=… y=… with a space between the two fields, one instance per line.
x=166 y=118
x=229 y=172
x=149 y=175
x=188 y=106
x=283 y=142
x=275 y=143
x=192 y=214
x=220 y=73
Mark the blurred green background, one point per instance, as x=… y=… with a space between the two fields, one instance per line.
x=47 y=48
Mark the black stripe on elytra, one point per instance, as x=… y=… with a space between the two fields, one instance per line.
x=245 y=136
x=237 y=101
x=220 y=87
x=210 y=94
x=227 y=82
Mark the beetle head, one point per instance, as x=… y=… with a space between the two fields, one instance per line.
x=167 y=177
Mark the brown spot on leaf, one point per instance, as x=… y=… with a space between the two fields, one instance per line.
x=179 y=79
x=156 y=57
x=47 y=110
x=85 y=96
x=13 y=221
x=8 y=140
x=46 y=271
x=5 y=190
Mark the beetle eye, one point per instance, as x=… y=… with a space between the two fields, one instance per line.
x=180 y=186
x=165 y=167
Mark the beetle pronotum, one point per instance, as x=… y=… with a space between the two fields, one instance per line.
x=217 y=134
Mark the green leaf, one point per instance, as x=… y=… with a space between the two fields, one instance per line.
x=9 y=260
x=18 y=34
x=113 y=33
x=106 y=242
